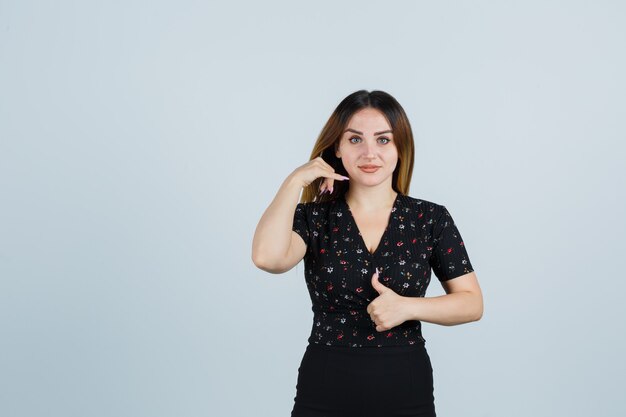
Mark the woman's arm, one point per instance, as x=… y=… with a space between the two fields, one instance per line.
x=272 y=238
x=272 y=246
x=463 y=303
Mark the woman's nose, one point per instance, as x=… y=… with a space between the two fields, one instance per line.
x=370 y=151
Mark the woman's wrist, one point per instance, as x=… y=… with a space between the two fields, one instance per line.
x=292 y=181
x=412 y=306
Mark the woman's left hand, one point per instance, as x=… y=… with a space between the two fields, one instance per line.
x=389 y=309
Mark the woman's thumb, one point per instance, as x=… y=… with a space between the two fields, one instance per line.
x=376 y=284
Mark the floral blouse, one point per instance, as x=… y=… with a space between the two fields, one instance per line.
x=420 y=235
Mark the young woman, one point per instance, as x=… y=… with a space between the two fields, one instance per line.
x=368 y=250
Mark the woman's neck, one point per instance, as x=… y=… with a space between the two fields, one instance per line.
x=370 y=199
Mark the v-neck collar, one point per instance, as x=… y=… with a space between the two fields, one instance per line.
x=385 y=233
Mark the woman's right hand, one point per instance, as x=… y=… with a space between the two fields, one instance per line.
x=314 y=169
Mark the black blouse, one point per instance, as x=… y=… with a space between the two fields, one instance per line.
x=420 y=235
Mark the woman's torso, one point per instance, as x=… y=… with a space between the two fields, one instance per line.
x=339 y=268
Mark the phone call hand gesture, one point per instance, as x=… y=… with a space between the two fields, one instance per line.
x=314 y=169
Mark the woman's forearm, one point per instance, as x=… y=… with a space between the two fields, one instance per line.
x=447 y=310
x=272 y=237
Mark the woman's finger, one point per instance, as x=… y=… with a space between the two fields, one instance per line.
x=328 y=176
x=321 y=188
x=325 y=164
x=328 y=183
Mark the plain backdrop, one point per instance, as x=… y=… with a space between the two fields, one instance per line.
x=141 y=141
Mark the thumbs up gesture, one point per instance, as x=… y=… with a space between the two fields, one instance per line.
x=389 y=309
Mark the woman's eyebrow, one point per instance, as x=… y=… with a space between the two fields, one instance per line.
x=360 y=133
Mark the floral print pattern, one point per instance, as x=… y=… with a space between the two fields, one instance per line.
x=420 y=236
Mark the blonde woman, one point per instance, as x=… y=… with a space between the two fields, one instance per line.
x=368 y=250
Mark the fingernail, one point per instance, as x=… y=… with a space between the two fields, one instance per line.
x=331 y=190
x=343 y=176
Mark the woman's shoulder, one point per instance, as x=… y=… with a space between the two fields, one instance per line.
x=421 y=204
x=406 y=201
x=318 y=204
x=316 y=208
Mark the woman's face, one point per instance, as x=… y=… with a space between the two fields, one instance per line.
x=368 y=141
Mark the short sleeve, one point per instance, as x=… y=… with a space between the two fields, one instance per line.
x=300 y=224
x=449 y=258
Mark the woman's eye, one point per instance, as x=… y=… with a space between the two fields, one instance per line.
x=383 y=138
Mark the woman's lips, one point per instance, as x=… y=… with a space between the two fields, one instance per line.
x=369 y=168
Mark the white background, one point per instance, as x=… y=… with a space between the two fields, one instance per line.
x=141 y=141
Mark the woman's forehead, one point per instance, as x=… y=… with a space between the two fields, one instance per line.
x=368 y=121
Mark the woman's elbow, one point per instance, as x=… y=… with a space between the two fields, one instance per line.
x=267 y=267
x=478 y=314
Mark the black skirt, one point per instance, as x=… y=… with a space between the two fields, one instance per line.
x=384 y=381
